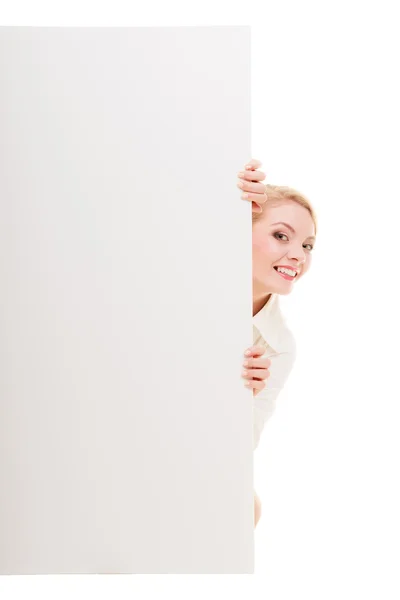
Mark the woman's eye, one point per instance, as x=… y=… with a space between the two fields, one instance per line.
x=311 y=247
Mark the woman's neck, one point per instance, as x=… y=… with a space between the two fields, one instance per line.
x=259 y=302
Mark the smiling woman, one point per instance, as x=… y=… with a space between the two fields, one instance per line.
x=283 y=241
x=284 y=227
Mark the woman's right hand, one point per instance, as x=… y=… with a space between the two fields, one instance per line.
x=256 y=368
x=253 y=191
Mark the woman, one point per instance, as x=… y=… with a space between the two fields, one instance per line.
x=284 y=230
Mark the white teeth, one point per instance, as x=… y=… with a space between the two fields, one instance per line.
x=286 y=271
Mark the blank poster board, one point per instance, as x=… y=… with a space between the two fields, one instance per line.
x=126 y=437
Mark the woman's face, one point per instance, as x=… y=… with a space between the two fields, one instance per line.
x=282 y=237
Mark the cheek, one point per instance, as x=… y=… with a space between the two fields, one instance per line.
x=265 y=254
x=307 y=264
x=261 y=256
x=264 y=246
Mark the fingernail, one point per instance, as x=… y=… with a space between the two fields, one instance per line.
x=240 y=174
x=247 y=353
x=245 y=195
x=246 y=363
x=244 y=373
x=240 y=184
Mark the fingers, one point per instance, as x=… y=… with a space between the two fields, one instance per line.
x=259 y=198
x=253 y=187
x=252 y=175
x=256 y=369
x=252 y=164
x=255 y=351
x=255 y=385
x=250 y=183
x=257 y=363
x=258 y=374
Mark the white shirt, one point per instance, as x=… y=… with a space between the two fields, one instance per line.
x=270 y=330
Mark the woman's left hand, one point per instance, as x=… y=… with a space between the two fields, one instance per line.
x=256 y=368
x=250 y=183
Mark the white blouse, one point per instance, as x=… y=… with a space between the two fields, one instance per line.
x=270 y=330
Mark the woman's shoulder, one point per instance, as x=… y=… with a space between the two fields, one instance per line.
x=273 y=327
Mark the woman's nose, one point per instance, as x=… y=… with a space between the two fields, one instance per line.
x=298 y=254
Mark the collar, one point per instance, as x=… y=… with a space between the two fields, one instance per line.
x=271 y=324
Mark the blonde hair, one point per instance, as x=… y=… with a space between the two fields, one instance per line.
x=279 y=193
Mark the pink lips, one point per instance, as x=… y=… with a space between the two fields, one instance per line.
x=284 y=275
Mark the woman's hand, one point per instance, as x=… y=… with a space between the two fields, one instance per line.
x=253 y=191
x=256 y=369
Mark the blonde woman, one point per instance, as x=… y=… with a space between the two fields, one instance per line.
x=284 y=229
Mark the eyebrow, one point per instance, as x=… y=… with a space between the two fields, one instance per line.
x=291 y=229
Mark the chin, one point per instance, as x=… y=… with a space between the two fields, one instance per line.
x=282 y=287
x=282 y=290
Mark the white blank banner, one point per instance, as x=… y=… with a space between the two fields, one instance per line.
x=126 y=439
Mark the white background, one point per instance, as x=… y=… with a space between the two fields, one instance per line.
x=325 y=120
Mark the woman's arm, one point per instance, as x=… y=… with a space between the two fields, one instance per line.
x=264 y=403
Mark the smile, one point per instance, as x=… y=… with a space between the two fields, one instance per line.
x=286 y=273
